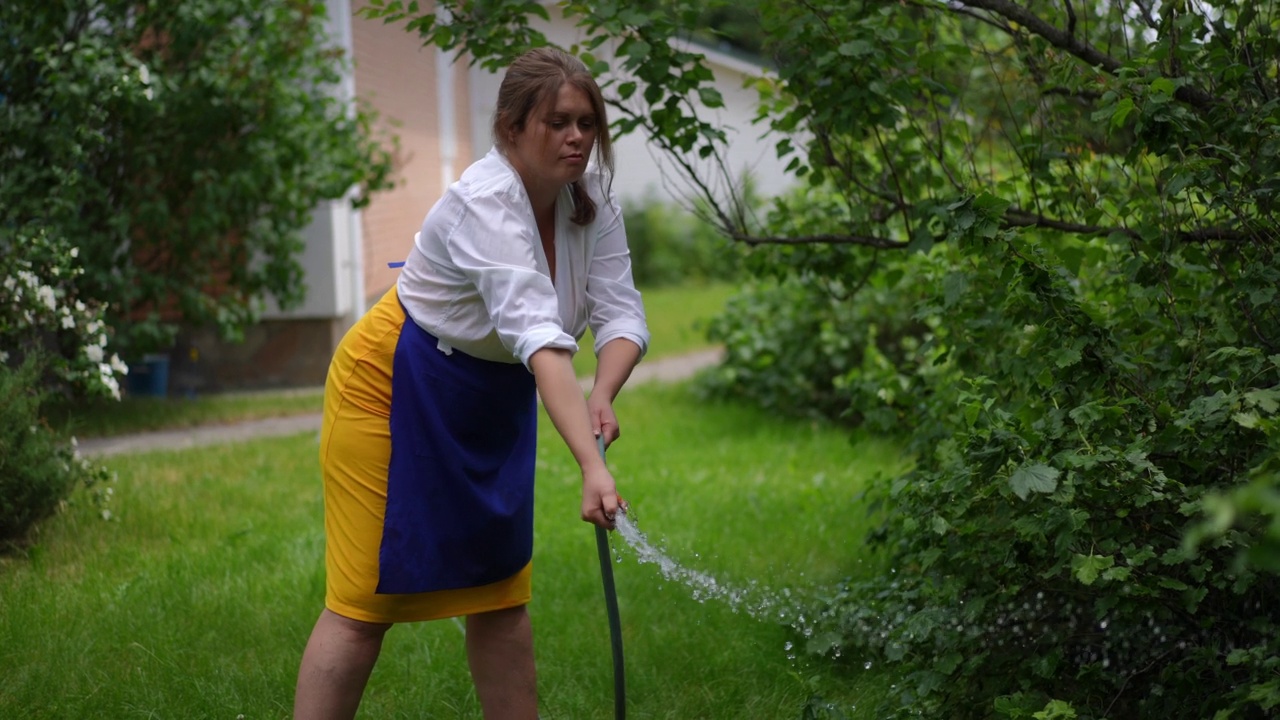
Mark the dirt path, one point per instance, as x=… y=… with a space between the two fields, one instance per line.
x=669 y=369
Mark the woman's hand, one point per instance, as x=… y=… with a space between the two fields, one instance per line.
x=603 y=422
x=599 y=497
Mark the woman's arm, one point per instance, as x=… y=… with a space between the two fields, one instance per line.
x=562 y=397
x=614 y=364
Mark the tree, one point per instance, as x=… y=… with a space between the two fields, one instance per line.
x=1039 y=240
x=180 y=147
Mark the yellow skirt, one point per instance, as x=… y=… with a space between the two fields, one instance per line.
x=355 y=451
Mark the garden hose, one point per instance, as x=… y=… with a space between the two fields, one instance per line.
x=611 y=606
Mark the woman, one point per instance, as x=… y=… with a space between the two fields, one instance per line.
x=430 y=415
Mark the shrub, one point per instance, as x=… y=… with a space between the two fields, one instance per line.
x=43 y=314
x=183 y=146
x=39 y=469
x=1090 y=526
x=670 y=246
x=54 y=348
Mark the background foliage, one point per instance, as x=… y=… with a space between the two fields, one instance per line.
x=669 y=246
x=181 y=145
x=158 y=161
x=1039 y=239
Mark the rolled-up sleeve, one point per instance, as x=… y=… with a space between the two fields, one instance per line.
x=492 y=246
x=614 y=306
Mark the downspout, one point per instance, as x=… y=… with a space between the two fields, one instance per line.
x=446 y=112
x=341 y=18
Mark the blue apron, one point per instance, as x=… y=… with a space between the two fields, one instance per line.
x=460 y=481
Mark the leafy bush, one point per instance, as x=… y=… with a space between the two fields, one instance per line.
x=39 y=469
x=54 y=348
x=1075 y=409
x=182 y=145
x=670 y=246
x=42 y=314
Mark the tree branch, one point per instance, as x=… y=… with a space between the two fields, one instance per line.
x=1015 y=217
x=1062 y=39
x=864 y=240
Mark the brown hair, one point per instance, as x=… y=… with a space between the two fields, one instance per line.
x=533 y=79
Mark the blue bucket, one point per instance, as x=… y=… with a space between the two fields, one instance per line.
x=149 y=378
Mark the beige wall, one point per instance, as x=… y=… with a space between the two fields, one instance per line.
x=398 y=76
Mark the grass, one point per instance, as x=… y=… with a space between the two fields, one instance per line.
x=198 y=600
x=675 y=319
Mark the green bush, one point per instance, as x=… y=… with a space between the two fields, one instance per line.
x=182 y=147
x=670 y=246
x=1092 y=516
x=39 y=468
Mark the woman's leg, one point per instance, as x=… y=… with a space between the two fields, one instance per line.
x=500 y=653
x=335 y=667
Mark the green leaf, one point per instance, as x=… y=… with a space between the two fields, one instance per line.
x=855 y=48
x=1123 y=108
x=1246 y=419
x=1087 y=567
x=1117 y=573
x=710 y=97
x=1163 y=86
x=1034 y=478
x=1267 y=401
x=1065 y=357
x=953 y=287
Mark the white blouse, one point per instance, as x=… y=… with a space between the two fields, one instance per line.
x=477 y=277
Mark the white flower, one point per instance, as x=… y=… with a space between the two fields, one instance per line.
x=144 y=74
x=102 y=340
x=109 y=381
x=94 y=353
x=75 y=252
x=68 y=322
x=80 y=306
x=10 y=283
x=45 y=293
x=118 y=365
x=93 y=327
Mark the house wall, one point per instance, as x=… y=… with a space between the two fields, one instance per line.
x=397 y=75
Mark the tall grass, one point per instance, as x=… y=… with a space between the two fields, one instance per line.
x=676 y=316
x=197 y=600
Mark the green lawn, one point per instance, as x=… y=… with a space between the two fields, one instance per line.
x=676 y=316
x=197 y=600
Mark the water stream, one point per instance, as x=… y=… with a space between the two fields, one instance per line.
x=755 y=600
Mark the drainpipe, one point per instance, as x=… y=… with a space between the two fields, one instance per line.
x=446 y=113
x=340 y=20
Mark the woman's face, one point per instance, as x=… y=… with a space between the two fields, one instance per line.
x=552 y=149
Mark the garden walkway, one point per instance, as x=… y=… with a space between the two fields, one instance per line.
x=665 y=370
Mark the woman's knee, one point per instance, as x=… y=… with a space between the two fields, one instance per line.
x=353 y=628
x=499 y=620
